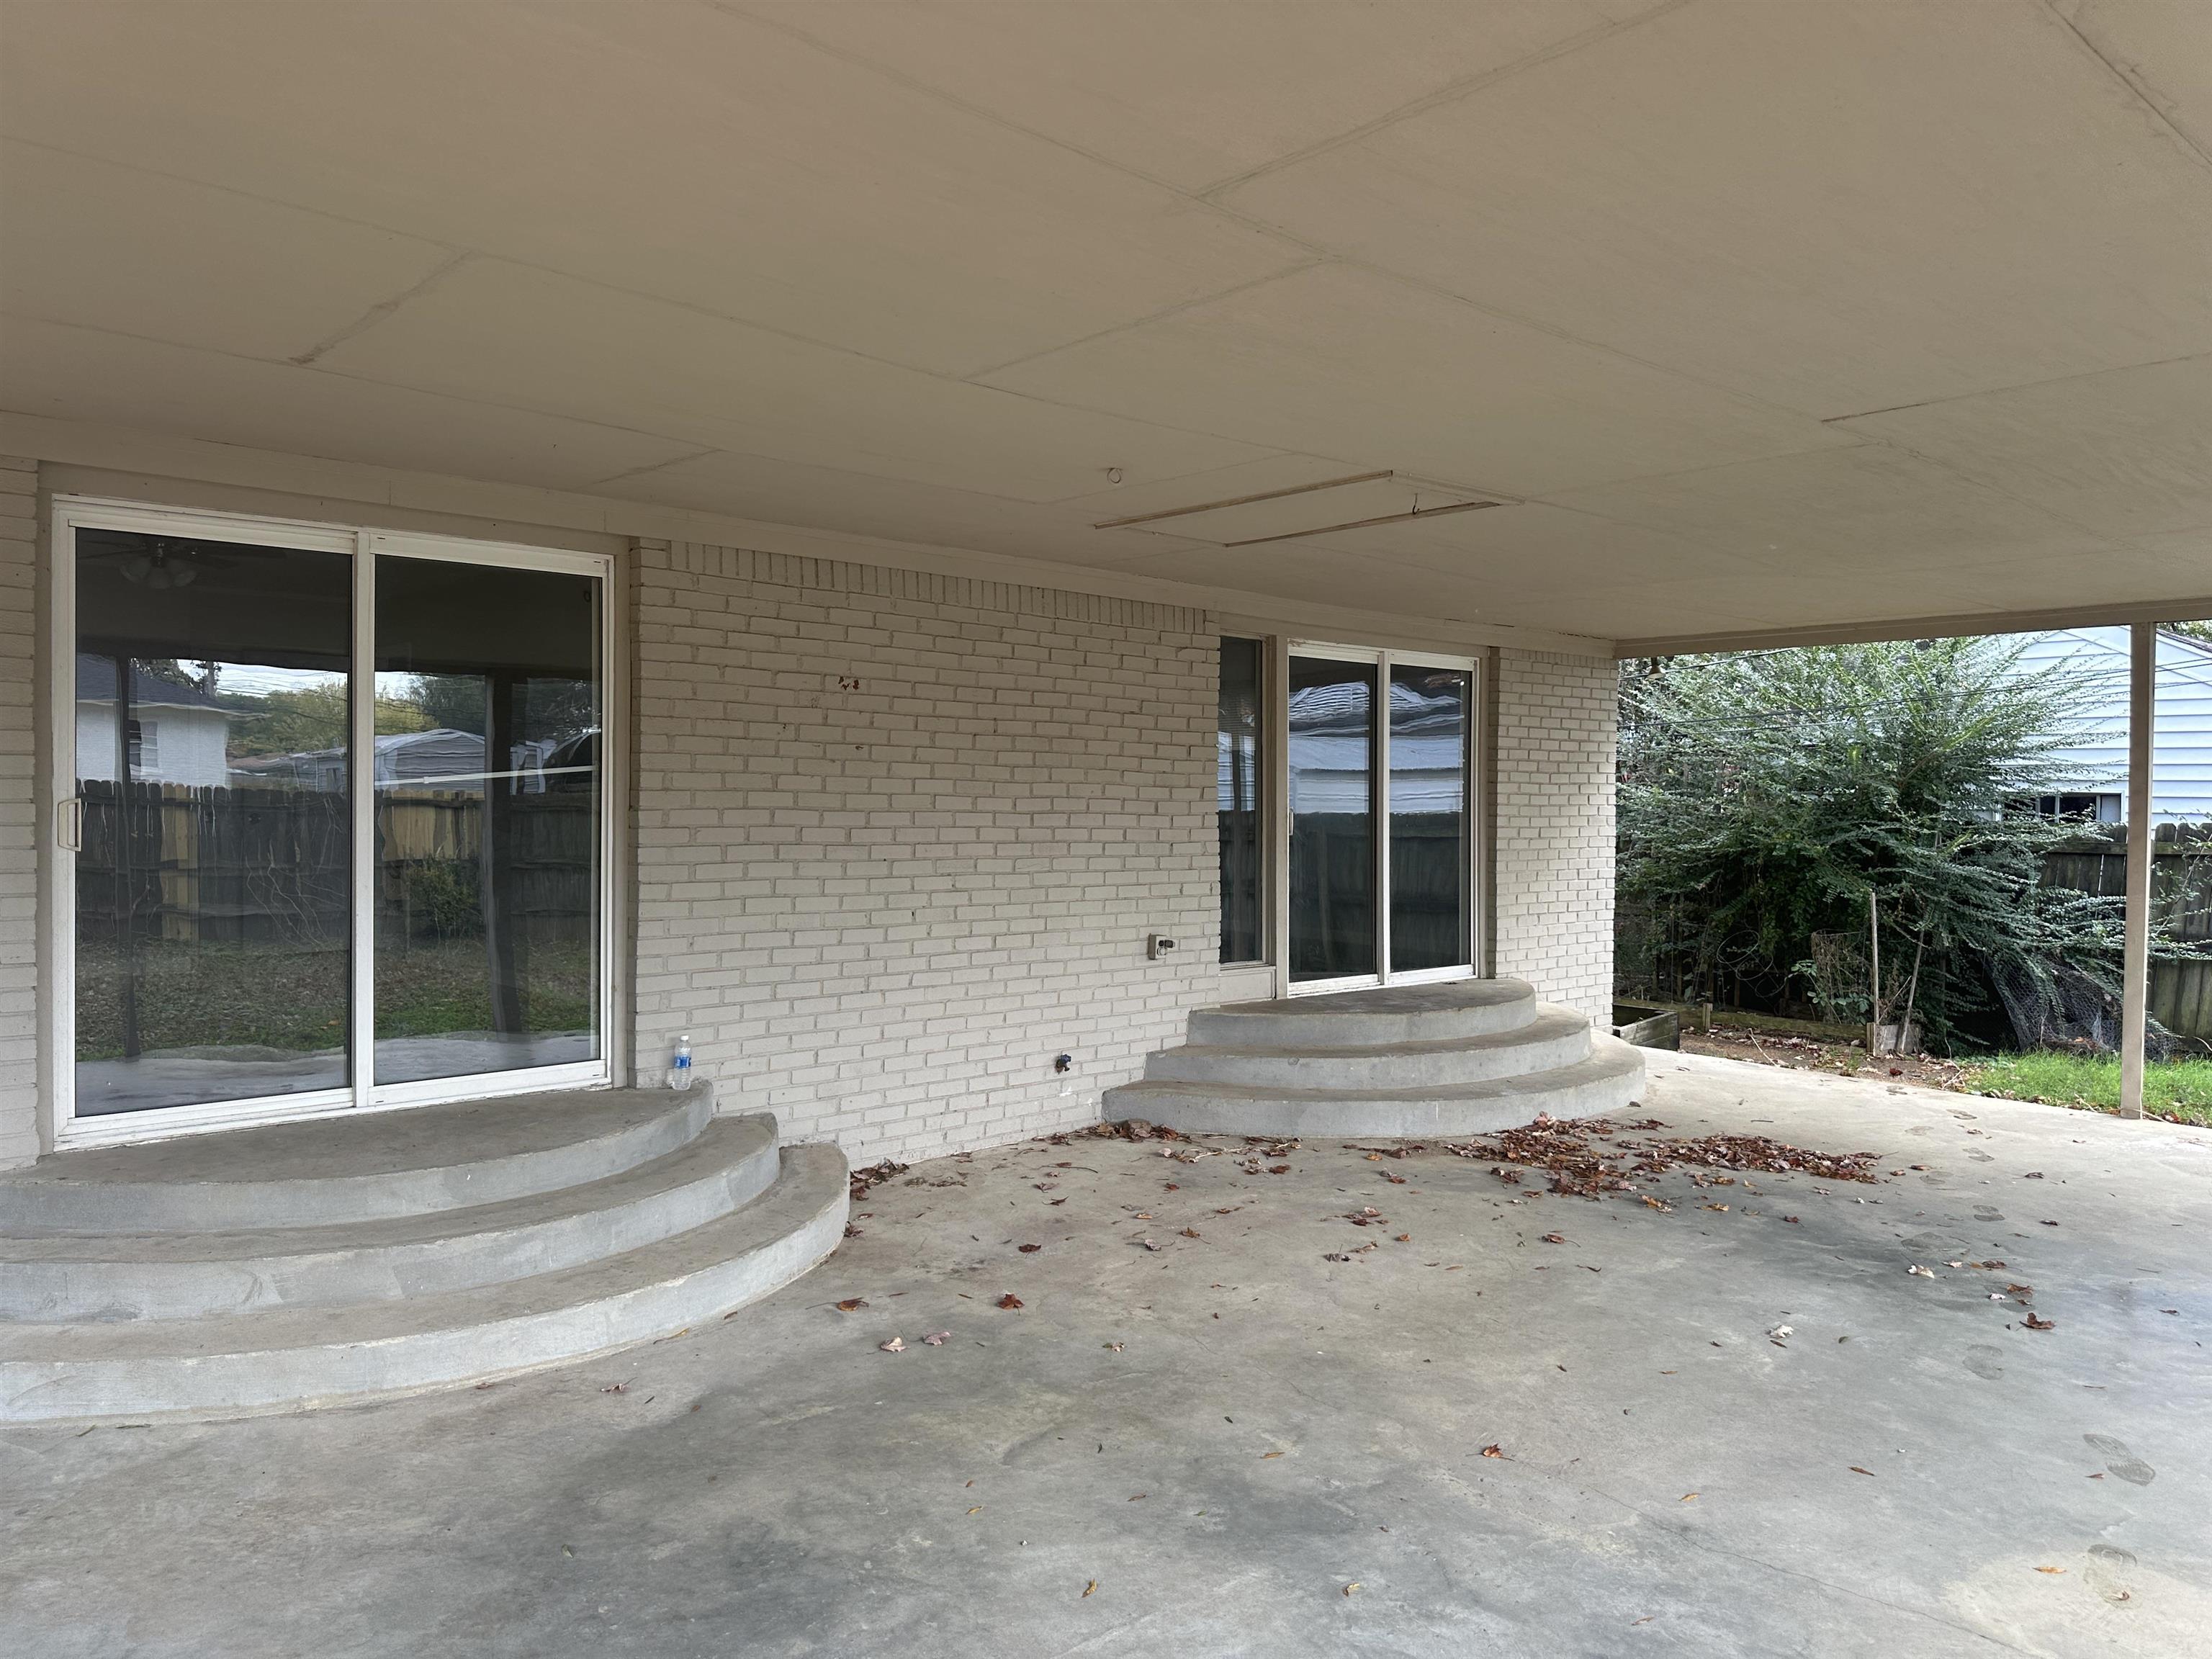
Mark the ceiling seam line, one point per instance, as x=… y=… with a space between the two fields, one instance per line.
x=2135 y=91
x=2020 y=385
x=381 y=311
x=981 y=376
x=1452 y=93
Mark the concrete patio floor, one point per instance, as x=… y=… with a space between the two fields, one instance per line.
x=1227 y=1433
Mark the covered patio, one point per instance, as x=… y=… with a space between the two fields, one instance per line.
x=1261 y=1438
x=954 y=571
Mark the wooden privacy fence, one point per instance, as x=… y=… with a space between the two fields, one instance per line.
x=2180 y=996
x=270 y=865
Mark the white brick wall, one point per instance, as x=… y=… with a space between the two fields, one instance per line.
x=1555 y=850
x=19 y=841
x=901 y=837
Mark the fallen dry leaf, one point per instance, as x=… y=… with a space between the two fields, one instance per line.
x=1088 y=1588
x=896 y=1344
x=1555 y=1238
x=1351 y=1587
x=1686 y=1498
x=1190 y=1232
x=1009 y=1301
x=1114 y=1347
x=1264 y=1456
x=1919 y=1272
x=978 y=1510
x=938 y=1338
x=615 y=1388
x=1856 y=1469
x=852 y=1305
x=2050 y=1569
x=1494 y=1450
x=1028 y=1249
x=2035 y=1324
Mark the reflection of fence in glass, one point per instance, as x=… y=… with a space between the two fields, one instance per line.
x=209 y=917
x=431 y=861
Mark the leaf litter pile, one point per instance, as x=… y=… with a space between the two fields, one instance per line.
x=1591 y=1156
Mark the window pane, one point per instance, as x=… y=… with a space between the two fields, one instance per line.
x=1331 y=767
x=1430 y=860
x=488 y=799
x=211 y=880
x=1238 y=812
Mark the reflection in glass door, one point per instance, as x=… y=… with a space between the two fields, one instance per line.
x=486 y=818
x=332 y=801
x=1331 y=760
x=1364 y=911
x=1432 y=863
x=212 y=823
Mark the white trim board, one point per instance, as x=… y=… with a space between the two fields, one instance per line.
x=1924 y=628
x=140 y=465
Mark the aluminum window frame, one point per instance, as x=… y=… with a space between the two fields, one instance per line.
x=58 y=840
x=1477 y=808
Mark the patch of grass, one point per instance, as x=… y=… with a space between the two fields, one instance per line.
x=2179 y=1089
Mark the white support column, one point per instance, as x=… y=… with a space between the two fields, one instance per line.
x=2142 y=676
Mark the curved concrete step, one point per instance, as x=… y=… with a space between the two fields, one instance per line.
x=1456 y=1009
x=112 y=1277
x=1607 y=1081
x=409 y=1162
x=1556 y=1037
x=291 y=1358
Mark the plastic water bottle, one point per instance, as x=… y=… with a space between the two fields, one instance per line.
x=680 y=1064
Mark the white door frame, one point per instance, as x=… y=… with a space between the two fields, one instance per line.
x=1385 y=659
x=72 y=512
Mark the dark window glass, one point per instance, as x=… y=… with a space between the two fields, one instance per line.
x=1330 y=779
x=1237 y=759
x=212 y=710
x=1430 y=862
x=488 y=788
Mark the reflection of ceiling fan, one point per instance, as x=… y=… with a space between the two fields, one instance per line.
x=160 y=564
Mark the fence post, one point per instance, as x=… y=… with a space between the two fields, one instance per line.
x=2142 y=674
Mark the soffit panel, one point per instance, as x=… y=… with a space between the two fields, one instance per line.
x=1295 y=570
x=78 y=374
x=507 y=333
x=1529 y=549
x=2127 y=452
x=673 y=148
x=2163 y=47
x=894 y=509
x=1836 y=207
x=1857 y=516
x=1195 y=95
x=1338 y=361
x=114 y=248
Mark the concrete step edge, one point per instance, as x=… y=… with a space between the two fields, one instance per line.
x=51 y=1277
x=1602 y=1062
x=1551 y=1022
x=1607 y=1081
x=293 y=1359
x=51 y=1197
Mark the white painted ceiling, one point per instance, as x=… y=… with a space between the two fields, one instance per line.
x=1754 y=316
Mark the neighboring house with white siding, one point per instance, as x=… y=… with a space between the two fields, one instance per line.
x=2094 y=784
x=178 y=733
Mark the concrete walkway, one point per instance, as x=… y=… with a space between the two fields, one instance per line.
x=1227 y=1432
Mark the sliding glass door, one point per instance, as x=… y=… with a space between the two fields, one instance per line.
x=333 y=811
x=1380 y=858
